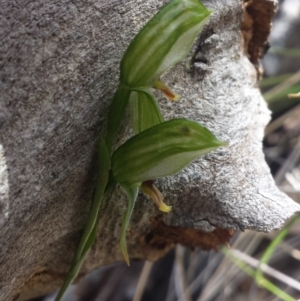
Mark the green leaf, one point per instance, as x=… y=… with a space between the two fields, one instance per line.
x=144 y=111
x=164 y=41
x=162 y=150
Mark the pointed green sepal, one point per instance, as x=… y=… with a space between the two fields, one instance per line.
x=144 y=111
x=164 y=41
x=116 y=113
x=131 y=192
x=162 y=150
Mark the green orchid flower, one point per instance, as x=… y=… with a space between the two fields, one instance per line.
x=164 y=41
x=160 y=151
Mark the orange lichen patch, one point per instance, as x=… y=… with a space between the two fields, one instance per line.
x=256 y=27
x=162 y=236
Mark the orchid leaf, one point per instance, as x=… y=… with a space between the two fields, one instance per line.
x=164 y=41
x=162 y=150
x=144 y=111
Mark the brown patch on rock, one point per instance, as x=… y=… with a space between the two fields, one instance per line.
x=162 y=236
x=256 y=27
x=40 y=283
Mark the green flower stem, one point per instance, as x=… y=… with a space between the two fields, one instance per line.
x=89 y=233
x=103 y=177
x=76 y=265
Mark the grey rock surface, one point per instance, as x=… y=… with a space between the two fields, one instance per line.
x=59 y=70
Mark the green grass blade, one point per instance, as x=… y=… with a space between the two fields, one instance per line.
x=273 y=246
x=273 y=80
x=288 y=52
x=263 y=281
